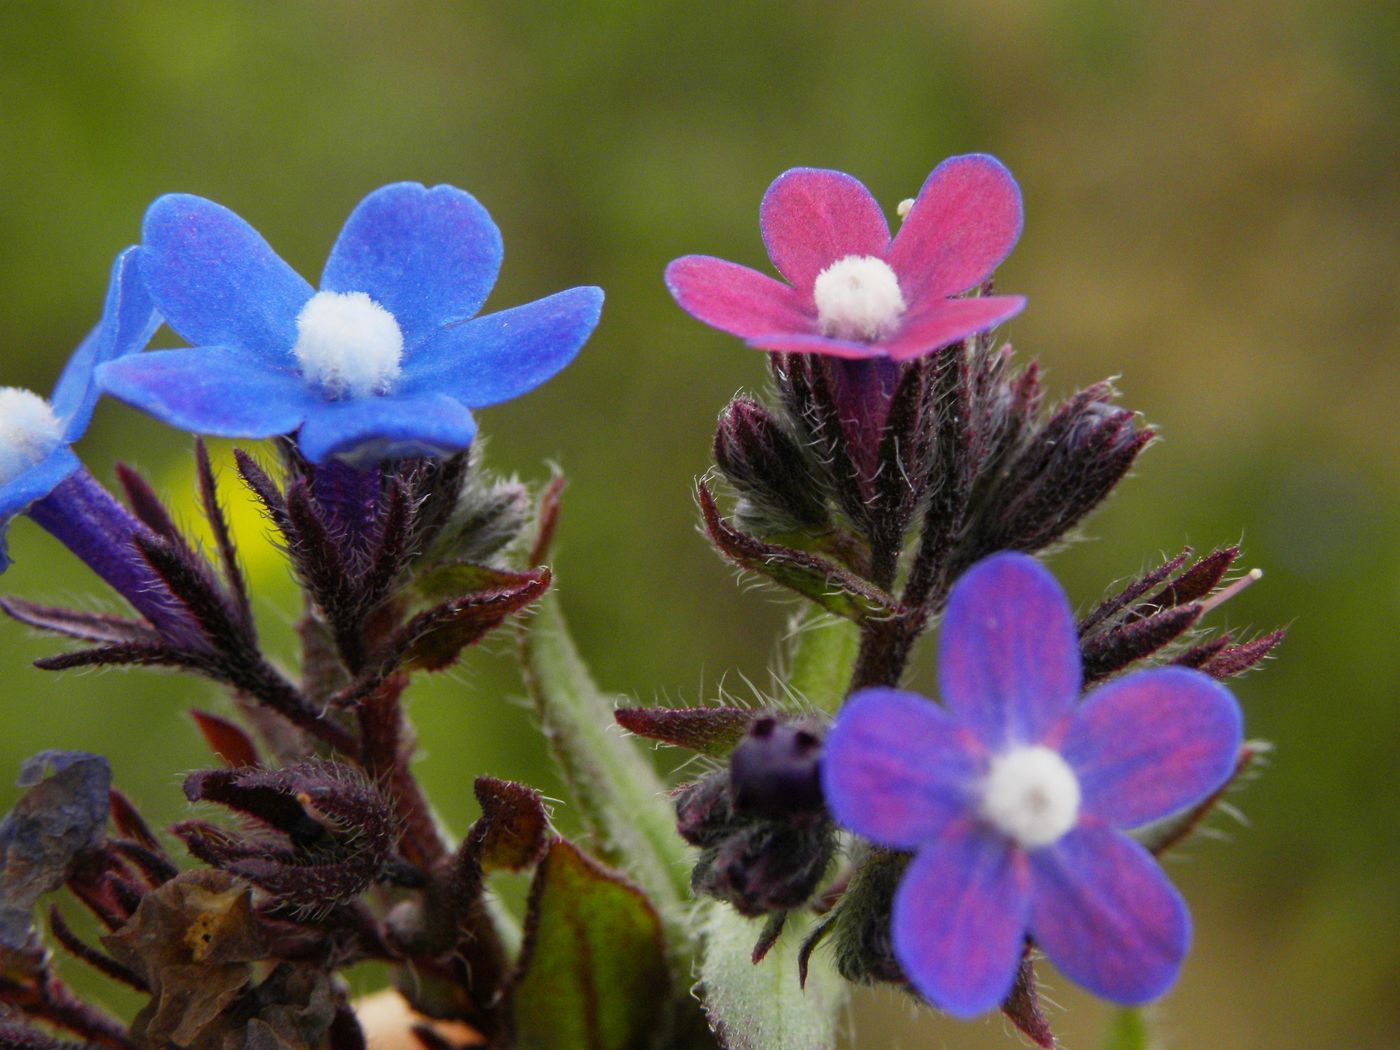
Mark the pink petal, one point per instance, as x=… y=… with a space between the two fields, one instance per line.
x=1008 y=655
x=811 y=217
x=1105 y=914
x=850 y=349
x=1152 y=743
x=965 y=221
x=960 y=918
x=949 y=321
x=735 y=299
x=896 y=768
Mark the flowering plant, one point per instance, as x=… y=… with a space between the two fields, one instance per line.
x=902 y=476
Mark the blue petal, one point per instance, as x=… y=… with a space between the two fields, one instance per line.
x=375 y=428
x=1008 y=655
x=129 y=319
x=960 y=918
x=210 y=390
x=501 y=356
x=1106 y=915
x=896 y=768
x=428 y=256
x=31 y=486
x=1152 y=743
x=216 y=280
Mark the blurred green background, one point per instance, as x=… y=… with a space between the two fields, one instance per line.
x=1212 y=214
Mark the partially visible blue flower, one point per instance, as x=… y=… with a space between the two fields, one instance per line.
x=385 y=361
x=35 y=435
x=1012 y=795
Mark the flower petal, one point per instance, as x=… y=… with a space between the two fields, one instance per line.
x=735 y=299
x=428 y=256
x=129 y=319
x=375 y=428
x=31 y=486
x=1152 y=743
x=216 y=280
x=847 y=349
x=950 y=321
x=500 y=356
x=812 y=217
x=960 y=918
x=896 y=768
x=1105 y=914
x=210 y=390
x=1008 y=655
x=964 y=222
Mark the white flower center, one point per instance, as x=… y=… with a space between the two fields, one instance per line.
x=29 y=431
x=858 y=298
x=1031 y=795
x=348 y=345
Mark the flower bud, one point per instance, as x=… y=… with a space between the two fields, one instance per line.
x=774 y=770
x=779 y=492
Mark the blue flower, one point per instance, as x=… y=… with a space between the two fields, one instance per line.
x=35 y=435
x=1012 y=793
x=385 y=361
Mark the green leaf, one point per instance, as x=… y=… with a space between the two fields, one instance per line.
x=593 y=969
x=612 y=783
x=763 y=1006
x=822 y=658
x=1126 y=1031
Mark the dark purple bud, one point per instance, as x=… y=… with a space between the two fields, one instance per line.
x=774 y=772
x=705 y=810
x=1061 y=472
x=767 y=866
x=778 y=487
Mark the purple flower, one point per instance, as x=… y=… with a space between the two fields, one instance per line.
x=35 y=435
x=852 y=292
x=385 y=361
x=1012 y=793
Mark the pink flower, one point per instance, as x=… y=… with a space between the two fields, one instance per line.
x=852 y=291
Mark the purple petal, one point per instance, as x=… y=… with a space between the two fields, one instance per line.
x=950 y=321
x=375 y=428
x=847 y=349
x=812 y=217
x=210 y=390
x=896 y=768
x=503 y=355
x=428 y=256
x=1105 y=914
x=960 y=918
x=217 y=282
x=129 y=319
x=964 y=222
x=735 y=299
x=1152 y=743
x=1008 y=655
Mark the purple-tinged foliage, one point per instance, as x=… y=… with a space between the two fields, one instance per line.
x=853 y=291
x=334 y=832
x=384 y=362
x=1159 y=608
x=1012 y=796
x=713 y=731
